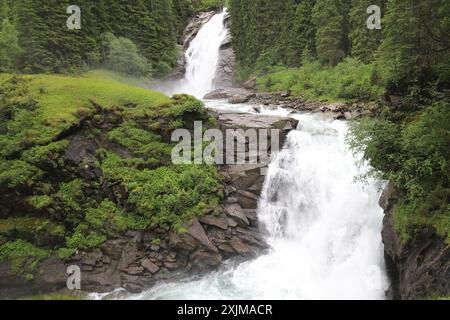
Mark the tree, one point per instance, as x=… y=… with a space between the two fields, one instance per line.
x=9 y=46
x=415 y=45
x=304 y=31
x=364 y=42
x=124 y=57
x=330 y=19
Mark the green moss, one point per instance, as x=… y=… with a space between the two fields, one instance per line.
x=33 y=226
x=65 y=253
x=40 y=202
x=84 y=238
x=71 y=194
x=18 y=173
x=47 y=155
x=23 y=255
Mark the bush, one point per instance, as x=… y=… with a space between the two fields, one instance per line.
x=124 y=57
x=413 y=153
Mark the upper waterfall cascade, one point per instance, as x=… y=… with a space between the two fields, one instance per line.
x=202 y=58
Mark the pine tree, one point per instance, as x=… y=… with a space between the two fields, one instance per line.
x=304 y=31
x=415 y=41
x=364 y=42
x=331 y=35
x=9 y=46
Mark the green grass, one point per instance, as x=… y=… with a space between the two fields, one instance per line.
x=349 y=81
x=61 y=99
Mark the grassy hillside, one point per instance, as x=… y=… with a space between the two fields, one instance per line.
x=84 y=159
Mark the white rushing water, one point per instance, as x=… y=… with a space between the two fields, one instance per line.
x=324 y=228
x=202 y=59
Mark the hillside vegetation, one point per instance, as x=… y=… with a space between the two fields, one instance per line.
x=83 y=160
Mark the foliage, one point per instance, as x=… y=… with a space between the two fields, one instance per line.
x=50 y=201
x=415 y=157
x=50 y=47
x=9 y=46
x=23 y=255
x=124 y=57
x=349 y=80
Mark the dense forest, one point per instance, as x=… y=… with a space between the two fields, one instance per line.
x=36 y=40
x=412 y=43
x=324 y=50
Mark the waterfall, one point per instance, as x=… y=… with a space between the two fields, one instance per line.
x=323 y=227
x=202 y=59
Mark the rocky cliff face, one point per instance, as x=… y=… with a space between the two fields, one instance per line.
x=225 y=69
x=420 y=268
x=133 y=261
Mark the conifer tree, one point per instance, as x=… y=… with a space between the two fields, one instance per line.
x=364 y=42
x=331 y=35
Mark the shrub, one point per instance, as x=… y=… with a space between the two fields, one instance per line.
x=124 y=57
x=412 y=152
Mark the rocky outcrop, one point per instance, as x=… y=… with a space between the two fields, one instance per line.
x=189 y=34
x=246 y=180
x=420 y=268
x=225 y=68
x=137 y=260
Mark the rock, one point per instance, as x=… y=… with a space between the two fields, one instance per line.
x=133 y=270
x=197 y=232
x=243 y=97
x=231 y=200
x=204 y=260
x=219 y=222
x=236 y=212
x=388 y=197
x=232 y=223
x=285 y=94
x=250 y=84
x=419 y=268
x=170 y=265
x=247 y=200
x=227 y=249
x=217 y=95
x=225 y=68
x=81 y=152
x=149 y=266
x=239 y=246
x=129 y=254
